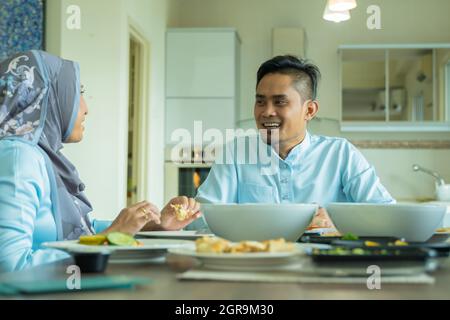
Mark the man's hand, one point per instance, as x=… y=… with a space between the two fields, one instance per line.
x=169 y=221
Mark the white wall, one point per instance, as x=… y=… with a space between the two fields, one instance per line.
x=403 y=21
x=101 y=48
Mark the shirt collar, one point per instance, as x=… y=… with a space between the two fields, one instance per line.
x=300 y=149
x=295 y=153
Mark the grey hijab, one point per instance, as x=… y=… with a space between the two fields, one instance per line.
x=39 y=104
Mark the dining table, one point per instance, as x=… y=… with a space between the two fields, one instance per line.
x=165 y=285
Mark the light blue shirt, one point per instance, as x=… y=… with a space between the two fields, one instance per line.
x=318 y=170
x=26 y=217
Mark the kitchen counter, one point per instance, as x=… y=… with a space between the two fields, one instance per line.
x=165 y=285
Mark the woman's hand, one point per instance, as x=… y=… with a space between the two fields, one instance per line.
x=132 y=219
x=321 y=220
x=169 y=220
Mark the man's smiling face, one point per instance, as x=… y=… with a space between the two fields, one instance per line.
x=280 y=107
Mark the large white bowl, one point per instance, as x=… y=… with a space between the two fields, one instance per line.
x=413 y=222
x=239 y=222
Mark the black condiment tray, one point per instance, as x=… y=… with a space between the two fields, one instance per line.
x=374 y=255
x=442 y=248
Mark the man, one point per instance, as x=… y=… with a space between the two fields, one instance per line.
x=309 y=168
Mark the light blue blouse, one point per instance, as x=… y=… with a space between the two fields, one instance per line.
x=26 y=216
x=319 y=170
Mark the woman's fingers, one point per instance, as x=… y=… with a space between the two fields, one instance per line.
x=148 y=211
x=138 y=205
x=155 y=217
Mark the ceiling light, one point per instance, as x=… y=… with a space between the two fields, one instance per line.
x=341 y=5
x=335 y=16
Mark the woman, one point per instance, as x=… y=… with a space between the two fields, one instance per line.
x=41 y=195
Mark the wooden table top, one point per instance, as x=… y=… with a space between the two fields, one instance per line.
x=165 y=285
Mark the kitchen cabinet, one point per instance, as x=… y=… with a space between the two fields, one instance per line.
x=395 y=87
x=202 y=71
x=184 y=113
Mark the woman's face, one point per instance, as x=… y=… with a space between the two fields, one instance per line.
x=78 y=128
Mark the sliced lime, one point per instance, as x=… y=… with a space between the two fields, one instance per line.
x=94 y=240
x=121 y=239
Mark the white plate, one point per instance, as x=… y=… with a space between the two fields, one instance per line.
x=151 y=248
x=186 y=235
x=247 y=261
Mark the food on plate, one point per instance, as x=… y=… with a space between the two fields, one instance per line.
x=342 y=251
x=279 y=245
x=180 y=212
x=121 y=239
x=400 y=243
x=95 y=240
x=371 y=244
x=219 y=245
x=212 y=245
x=350 y=236
x=443 y=230
x=113 y=238
x=397 y=243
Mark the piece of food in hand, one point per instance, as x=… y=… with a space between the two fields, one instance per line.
x=212 y=245
x=181 y=213
x=443 y=230
x=94 y=240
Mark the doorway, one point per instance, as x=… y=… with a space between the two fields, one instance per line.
x=137 y=118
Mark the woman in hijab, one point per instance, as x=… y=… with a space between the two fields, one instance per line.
x=41 y=195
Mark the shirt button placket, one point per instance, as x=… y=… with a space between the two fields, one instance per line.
x=285 y=192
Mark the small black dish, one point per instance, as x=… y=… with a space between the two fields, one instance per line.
x=91 y=262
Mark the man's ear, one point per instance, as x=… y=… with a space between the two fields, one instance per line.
x=311 y=109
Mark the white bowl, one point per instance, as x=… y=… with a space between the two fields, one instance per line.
x=239 y=222
x=413 y=222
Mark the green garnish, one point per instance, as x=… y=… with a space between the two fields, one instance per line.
x=350 y=237
x=121 y=239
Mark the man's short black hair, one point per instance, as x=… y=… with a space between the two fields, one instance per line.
x=305 y=74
